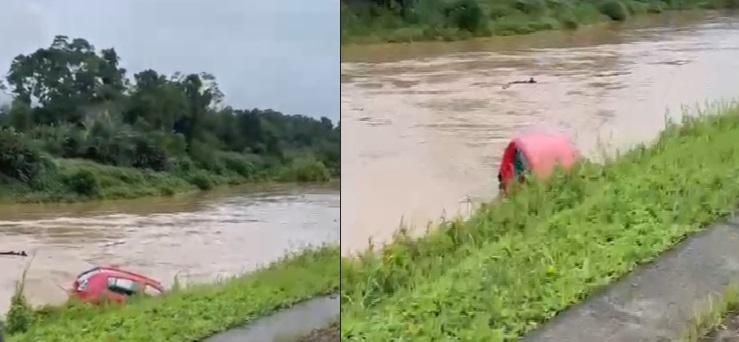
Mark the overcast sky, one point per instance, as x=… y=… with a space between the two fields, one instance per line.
x=265 y=54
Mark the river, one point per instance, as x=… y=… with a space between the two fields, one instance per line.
x=197 y=237
x=424 y=124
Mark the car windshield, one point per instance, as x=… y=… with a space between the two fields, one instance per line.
x=84 y=279
x=87 y=275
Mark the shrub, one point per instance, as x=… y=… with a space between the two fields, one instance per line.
x=19 y=160
x=201 y=180
x=530 y=6
x=466 y=15
x=305 y=170
x=615 y=10
x=84 y=182
x=237 y=163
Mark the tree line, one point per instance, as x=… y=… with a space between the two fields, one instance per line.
x=71 y=101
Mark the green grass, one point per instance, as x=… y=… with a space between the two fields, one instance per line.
x=517 y=263
x=191 y=313
x=76 y=180
x=463 y=19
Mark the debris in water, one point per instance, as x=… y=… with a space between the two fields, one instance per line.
x=114 y=243
x=530 y=81
x=14 y=253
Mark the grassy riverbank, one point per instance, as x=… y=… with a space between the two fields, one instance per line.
x=186 y=314
x=78 y=128
x=369 y=21
x=76 y=180
x=517 y=263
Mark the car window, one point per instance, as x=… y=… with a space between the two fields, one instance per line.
x=126 y=287
x=83 y=280
x=520 y=163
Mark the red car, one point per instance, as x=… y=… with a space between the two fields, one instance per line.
x=105 y=284
x=537 y=152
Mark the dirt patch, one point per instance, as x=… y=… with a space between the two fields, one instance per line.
x=727 y=331
x=331 y=333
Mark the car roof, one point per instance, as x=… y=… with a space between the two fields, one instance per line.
x=121 y=273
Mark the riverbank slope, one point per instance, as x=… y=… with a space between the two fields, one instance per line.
x=515 y=264
x=78 y=128
x=367 y=21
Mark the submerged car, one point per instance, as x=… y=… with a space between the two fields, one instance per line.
x=109 y=284
x=537 y=153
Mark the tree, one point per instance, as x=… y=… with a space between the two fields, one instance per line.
x=75 y=102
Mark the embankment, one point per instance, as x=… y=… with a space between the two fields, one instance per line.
x=515 y=264
x=185 y=314
x=365 y=21
x=77 y=180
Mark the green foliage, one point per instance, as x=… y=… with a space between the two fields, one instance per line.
x=466 y=15
x=83 y=182
x=615 y=10
x=516 y=263
x=305 y=170
x=20 y=315
x=72 y=102
x=406 y=21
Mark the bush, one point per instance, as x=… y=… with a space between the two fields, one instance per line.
x=305 y=170
x=466 y=15
x=530 y=6
x=84 y=182
x=615 y=10
x=237 y=163
x=201 y=180
x=19 y=160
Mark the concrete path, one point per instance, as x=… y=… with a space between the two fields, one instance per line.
x=655 y=302
x=286 y=325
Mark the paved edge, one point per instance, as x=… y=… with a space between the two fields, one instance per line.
x=288 y=324
x=657 y=300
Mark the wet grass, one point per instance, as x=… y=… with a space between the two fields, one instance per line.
x=515 y=264
x=184 y=314
x=362 y=22
x=76 y=180
x=718 y=320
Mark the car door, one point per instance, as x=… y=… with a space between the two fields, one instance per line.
x=120 y=288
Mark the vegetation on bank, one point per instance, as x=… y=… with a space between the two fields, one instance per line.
x=183 y=314
x=78 y=128
x=719 y=319
x=374 y=21
x=516 y=263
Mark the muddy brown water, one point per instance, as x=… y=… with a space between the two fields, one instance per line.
x=200 y=237
x=424 y=124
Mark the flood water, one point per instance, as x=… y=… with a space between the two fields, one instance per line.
x=198 y=237
x=424 y=124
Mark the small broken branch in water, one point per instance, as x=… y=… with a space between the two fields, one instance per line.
x=530 y=81
x=14 y=253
